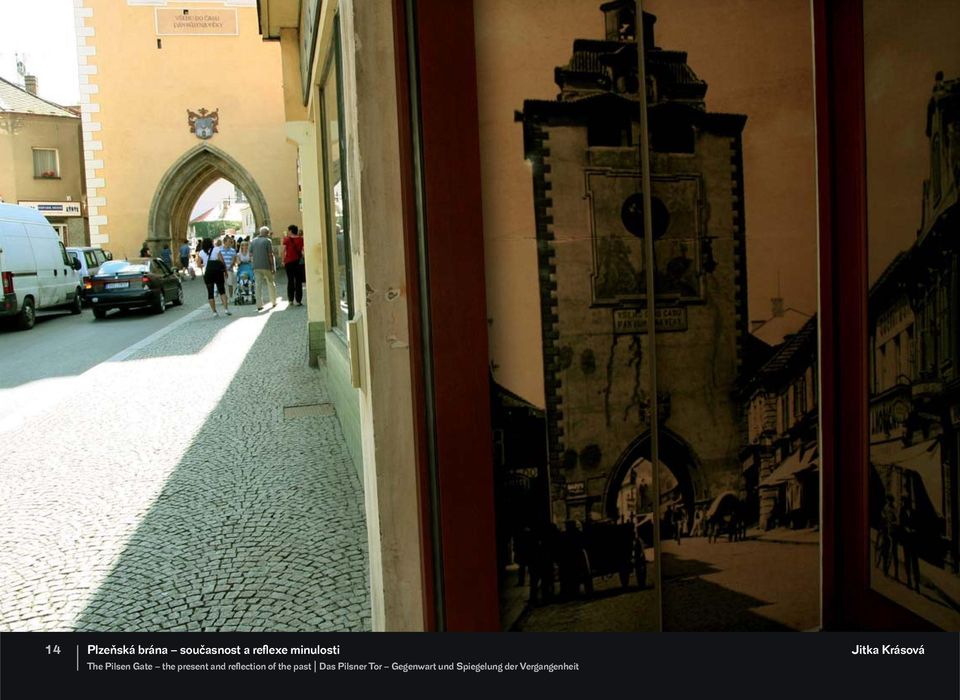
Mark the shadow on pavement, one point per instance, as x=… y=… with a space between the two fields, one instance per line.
x=260 y=527
x=693 y=604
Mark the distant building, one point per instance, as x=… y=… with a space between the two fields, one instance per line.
x=41 y=159
x=783 y=321
x=780 y=463
x=228 y=214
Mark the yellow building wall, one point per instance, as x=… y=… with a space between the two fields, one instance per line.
x=8 y=177
x=16 y=160
x=135 y=98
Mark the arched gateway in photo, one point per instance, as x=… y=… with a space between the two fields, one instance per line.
x=676 y=457
x=186 y=180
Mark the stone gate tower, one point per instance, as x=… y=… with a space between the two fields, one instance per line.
x=584 y=148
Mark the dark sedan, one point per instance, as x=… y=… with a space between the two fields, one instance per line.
x=126 y=284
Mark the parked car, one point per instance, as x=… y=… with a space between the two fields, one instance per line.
x=90 y=260
x=139 y=282
x=35 y=270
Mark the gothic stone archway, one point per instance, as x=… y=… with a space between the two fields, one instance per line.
x=186 y=180
x=674 y=453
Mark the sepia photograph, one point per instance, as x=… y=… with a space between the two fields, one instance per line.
x=912 y=78
x=734 y=302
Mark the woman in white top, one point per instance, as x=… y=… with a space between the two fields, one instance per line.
x=243 y=255
x=214 y=271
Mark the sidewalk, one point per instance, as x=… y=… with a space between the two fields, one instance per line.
x=176 y=493
x=785 y=535
x=939 y=597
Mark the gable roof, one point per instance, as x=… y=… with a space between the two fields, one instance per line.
x=774 y=330
x=797 y=352
x=14 y=98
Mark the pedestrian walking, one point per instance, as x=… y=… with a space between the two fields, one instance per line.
x=293 y=263
x=890 y=521
x=229 y=259
x=698 y=522
x=167 y=255
x=145 y=251
x=908 y=540
x=214 y=270
x=243 y=253
x=185 y=256
x=264 y=264
x=523 y=544
x=639 y=558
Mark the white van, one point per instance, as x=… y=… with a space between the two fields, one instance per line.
x=36 y=272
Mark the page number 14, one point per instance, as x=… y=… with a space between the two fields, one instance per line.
x=53 y=649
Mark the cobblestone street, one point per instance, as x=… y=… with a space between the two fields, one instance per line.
x=750 y=585
x=168 y=490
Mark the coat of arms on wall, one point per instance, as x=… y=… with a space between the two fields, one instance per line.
x=203 y=123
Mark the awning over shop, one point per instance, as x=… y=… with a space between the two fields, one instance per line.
x=718 y=501
x=922 y=458
x=793 y=464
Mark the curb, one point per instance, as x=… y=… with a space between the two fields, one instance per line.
x=152 y=338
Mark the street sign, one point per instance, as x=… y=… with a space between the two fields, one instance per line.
x=54 y=208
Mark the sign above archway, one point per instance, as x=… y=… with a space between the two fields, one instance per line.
x=199 y=22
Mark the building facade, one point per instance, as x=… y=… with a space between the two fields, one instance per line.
x=914 y=344
x=584 y=149
x=173 y=97
x=340 y=106
x=41 y=164
x=780 y=462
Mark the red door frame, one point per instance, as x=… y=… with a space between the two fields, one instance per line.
x=414 y=300
x=451 y=373
x=848 y=600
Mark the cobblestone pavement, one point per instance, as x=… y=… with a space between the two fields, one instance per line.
x=938 y=599
x=168 y=491
x=726 y=586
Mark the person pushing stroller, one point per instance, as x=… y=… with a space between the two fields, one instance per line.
x=245 y=289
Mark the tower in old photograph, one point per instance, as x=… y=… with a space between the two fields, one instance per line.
x=584 y=149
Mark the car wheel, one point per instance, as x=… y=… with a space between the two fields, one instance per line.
x=179 y=300
x=27 y=316
x=77 y=305
x=161 y=304
x=99 y=312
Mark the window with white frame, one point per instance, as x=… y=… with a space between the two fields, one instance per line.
x=46 y=162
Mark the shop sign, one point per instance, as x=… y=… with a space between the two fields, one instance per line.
x=54 y=208
x=200 y=21
x=576 y=489
x=893 y=321
x=665 y=318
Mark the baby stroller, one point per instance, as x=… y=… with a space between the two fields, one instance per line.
x=245 y=290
